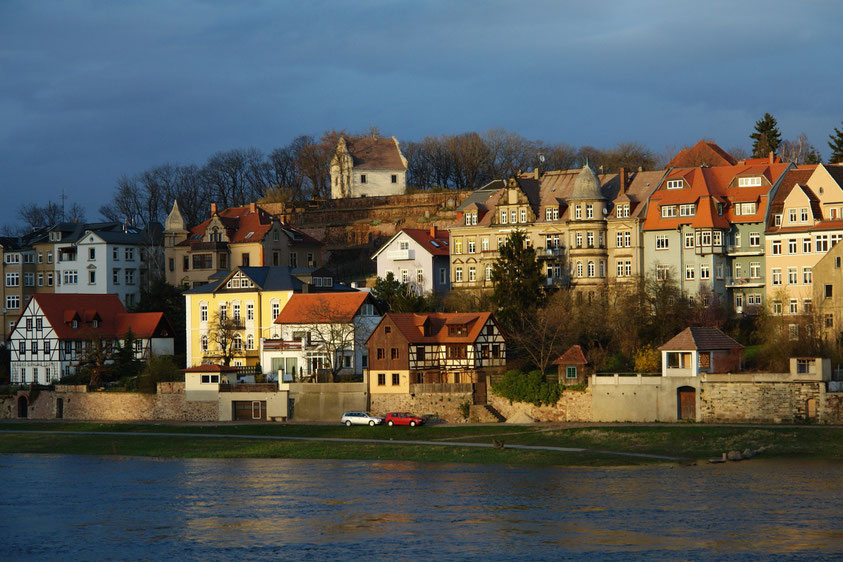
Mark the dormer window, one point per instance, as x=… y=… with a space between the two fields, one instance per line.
x=95 y=323
x=470 y=219
x=777 y=220
x=754 y=181
x=74 y=324
x=687 y=210
x=623 y=211
x=675 y=184
x=668 y=211
x=803 y=216
x=457 y=330
x=720 y=209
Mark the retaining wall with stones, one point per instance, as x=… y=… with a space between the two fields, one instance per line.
x=572 y=406
x=446 y=405
x=769 y=402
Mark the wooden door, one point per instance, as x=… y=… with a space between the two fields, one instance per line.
x=249 y=410
x=687 y=403
x=480 y=390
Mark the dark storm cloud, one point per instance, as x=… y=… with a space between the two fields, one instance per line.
x=92 y=90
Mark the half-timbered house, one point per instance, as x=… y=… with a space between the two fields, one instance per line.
x=410 y=348
x=55 y=331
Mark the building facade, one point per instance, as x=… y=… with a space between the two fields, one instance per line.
x=367 y=167
x=417 y=257
x=244 y=236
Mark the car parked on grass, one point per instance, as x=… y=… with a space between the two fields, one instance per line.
x=360 y=418
x=403 y=418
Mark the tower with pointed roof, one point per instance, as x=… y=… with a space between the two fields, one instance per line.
x=588 y=254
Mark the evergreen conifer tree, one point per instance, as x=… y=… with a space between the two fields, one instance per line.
x=518 y=280
x=766 y=137
x=836 y=145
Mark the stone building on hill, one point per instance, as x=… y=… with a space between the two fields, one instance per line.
x=368 y=166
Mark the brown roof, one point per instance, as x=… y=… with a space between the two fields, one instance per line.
x=701 y=338
x=375 y=153
x=703 y=153
x=411 y=325
x=249 y=223
x=641 y=186
x=574 y=356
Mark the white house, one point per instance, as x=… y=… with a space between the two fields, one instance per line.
x=700 y=349
x=417 y=257
x=368 y=166
x=321 y=333
x=111 y=259
x=54 y=332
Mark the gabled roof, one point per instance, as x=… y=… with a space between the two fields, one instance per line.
x=322 y=308
x=641 y=186
x=574 y=356
x=267 y=278
x=375 y=153
x=700 y=338
x=703 y=153
x=61 y=309
x=436 y=245
x=411 y=325
x=249 y=223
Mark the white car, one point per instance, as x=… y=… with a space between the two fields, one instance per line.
x=360 y=418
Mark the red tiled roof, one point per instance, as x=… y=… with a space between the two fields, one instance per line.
x=412 y=324
x=703 y=153
x=425 y=240
x=61 y=308
x=375 y=153
x=719 y=184
x=574 y=356
x=321 y=308
x=242 y=224
x=701 y=338
x=142 y=324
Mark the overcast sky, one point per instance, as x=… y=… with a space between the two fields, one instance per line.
x=93 y=90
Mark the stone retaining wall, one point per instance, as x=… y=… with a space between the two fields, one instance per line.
x=446 y=405
x=769 y=402
x=78 y=404
x=573 y=406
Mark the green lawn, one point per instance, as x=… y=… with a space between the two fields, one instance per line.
x=685 y=441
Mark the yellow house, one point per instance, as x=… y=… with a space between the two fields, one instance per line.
x=226 y=318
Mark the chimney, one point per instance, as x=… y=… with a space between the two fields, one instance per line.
x=433 y=231
x=213 y=209
x=624 y=180
x=772 y=156
x=253 y=207
x=536 y=173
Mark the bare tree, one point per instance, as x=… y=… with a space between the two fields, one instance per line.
x=546 y=332
x=224 y=333
x=331 y=331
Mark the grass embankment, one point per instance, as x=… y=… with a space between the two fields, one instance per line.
x=686 y=441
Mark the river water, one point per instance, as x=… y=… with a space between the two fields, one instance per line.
x=95 y=508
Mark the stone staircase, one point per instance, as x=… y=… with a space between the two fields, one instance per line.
x=484 y=413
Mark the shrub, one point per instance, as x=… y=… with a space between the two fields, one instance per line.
x=648 y=360
x=465 y=409
x=161 y=368
x=531 y=387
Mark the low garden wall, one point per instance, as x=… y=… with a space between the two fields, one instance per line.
x=572 y=406
x=442 y=400
x=770 y=402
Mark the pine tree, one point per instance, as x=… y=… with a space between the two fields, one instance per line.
x=766 y=137
x=836 y=145
x=518 y=280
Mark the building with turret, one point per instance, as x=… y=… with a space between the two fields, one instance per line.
x=367 y=167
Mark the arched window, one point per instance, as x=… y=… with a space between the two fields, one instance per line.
x=591 y=269
x=203 y=343
x=579 y=269
x=250 y=342
x=238 y=342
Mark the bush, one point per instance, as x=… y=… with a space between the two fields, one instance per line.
x=160 y=368
x=465 y=409
x=648 y=360
x=531 y=387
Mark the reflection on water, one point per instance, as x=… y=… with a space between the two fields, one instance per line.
x=108 y=507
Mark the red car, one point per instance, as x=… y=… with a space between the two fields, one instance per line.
x=403 y=418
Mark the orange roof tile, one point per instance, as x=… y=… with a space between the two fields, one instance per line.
x=411 y=325
x=574 y=356
x=321 y=308
x=703 y=153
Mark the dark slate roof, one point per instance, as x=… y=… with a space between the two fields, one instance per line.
x=700 y=338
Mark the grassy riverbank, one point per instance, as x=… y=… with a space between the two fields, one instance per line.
x=685 y=441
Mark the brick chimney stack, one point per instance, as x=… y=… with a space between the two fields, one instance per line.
x=433 y=231
x=624 y=180
x=253 y=207
x=772 y=157
x=213 y=209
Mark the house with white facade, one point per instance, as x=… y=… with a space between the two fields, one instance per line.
x=367 y=167
x=107 y=258
x=55 y=331
x=417 y=257
x=321 y=334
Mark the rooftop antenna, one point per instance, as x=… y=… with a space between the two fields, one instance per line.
x=63 y=198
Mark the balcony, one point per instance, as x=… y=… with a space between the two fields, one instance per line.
x=549 y=253
x=733 y=250
x=744 y=282
x=399 y=255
